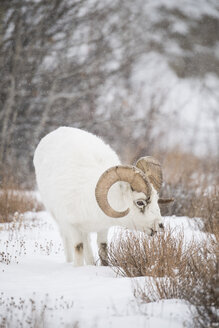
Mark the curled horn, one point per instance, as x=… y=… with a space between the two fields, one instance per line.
x=135 y=177
x=152 y=169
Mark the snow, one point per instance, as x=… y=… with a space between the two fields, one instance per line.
x=38 y=284
x=188 y=7
x=190 y=100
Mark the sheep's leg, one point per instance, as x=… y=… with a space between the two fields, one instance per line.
x=68 y=248
x=73 y=245
x=88 y=254
x=78 y=246
x=102 y=246
x=66 y=239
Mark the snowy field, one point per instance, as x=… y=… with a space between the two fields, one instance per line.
x=38 y=289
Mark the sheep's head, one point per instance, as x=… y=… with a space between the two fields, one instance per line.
x=145 y=180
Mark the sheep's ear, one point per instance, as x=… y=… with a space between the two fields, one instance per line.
x=152 y=169
x=165 y=200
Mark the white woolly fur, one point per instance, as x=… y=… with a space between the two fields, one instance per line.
x=68 y=163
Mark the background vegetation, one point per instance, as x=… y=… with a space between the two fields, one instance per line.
x=143 y=75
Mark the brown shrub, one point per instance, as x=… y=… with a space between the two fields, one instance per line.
x=15 y=200
x=189 y=169
x=136 y=254
x=194 y=184
x=172 y=270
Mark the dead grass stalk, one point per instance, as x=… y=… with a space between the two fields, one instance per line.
x=13 y=200
x=173 y=269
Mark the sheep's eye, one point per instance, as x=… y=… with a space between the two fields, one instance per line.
x=140 y=203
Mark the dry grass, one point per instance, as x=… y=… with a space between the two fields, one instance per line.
x=194 y=183
x=13 y=200
x=136 y=254
x=189 y=273
x=190 y=170
x=172 y=270
x=33 y=313
x=197 y=283
x=203 y=204
x=14 y=244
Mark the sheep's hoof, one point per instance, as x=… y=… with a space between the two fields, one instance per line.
x=103 y=254
x=104 y=262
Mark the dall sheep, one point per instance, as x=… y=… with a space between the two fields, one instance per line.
x=86 y=189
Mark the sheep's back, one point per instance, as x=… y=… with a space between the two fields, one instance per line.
x=68 y=164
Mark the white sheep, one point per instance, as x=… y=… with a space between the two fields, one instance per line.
x=86 y=189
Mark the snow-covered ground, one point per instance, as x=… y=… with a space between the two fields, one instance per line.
x=38 y=289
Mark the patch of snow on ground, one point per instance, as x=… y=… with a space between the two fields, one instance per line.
x=37 y=283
